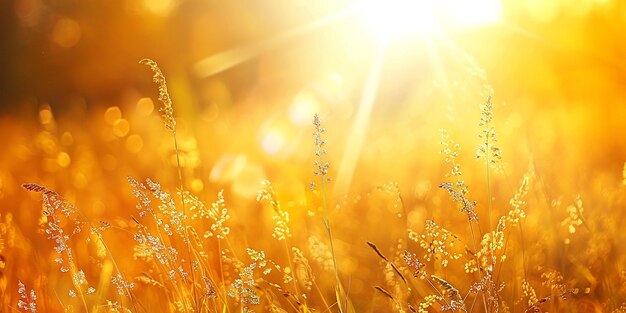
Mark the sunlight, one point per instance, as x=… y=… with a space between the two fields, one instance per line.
x=473 y=13
x=400 y=18
x=273 y=142
x=227 y=59
x=360 y=125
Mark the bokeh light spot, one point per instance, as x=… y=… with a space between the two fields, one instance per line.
x=66 y=32
x=28 y=11
x=304 y=106
x=145 y=106
x=112 y=114
x=248 y=182
x=45 y=115
x=121 y=128
x=197 y=185
x=134 y=143
x=67 y=139
x=63 y=159
x=273 y=142
x=160 y=7
x=80 y=180
x=227 y=168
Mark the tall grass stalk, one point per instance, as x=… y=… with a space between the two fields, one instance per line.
x=321 y=170
x=170 y=123
x=332 y=248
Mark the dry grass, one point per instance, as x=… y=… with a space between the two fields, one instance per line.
x=174 y=252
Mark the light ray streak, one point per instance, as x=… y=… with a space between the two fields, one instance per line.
x=437 y=65
x=361 y=124
x=469 y=60
x=230 y=58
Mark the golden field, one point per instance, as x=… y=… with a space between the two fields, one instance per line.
x=326 y=156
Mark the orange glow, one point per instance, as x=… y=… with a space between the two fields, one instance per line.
x=273 y=141
x=313 y=156
x=145 y=106
x=112 y=115
x=66 y=33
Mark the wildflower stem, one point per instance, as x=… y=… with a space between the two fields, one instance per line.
x=474 y=302
x=99 y=236
x=480 y=274
x=293 y=270
x=132 y=300
x=319 y=291
x=489 y=149
x=438 y=291
x=521 y=234
x=182 y=199
x=72 y=264
x=169 y=122
x=322 y=170
x=489 y=185
x=219 y=251
x=330 y=239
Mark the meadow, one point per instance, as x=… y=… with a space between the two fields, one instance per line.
x=434 y=192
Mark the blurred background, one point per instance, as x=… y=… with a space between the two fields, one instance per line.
x=79 y=114
x=255 y=71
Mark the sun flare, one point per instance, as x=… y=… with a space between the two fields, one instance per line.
x=472 y=13
x=400 y=18
x=313 y=156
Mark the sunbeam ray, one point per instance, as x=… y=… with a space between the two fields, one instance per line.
x=361 y=123
x=227 y=59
